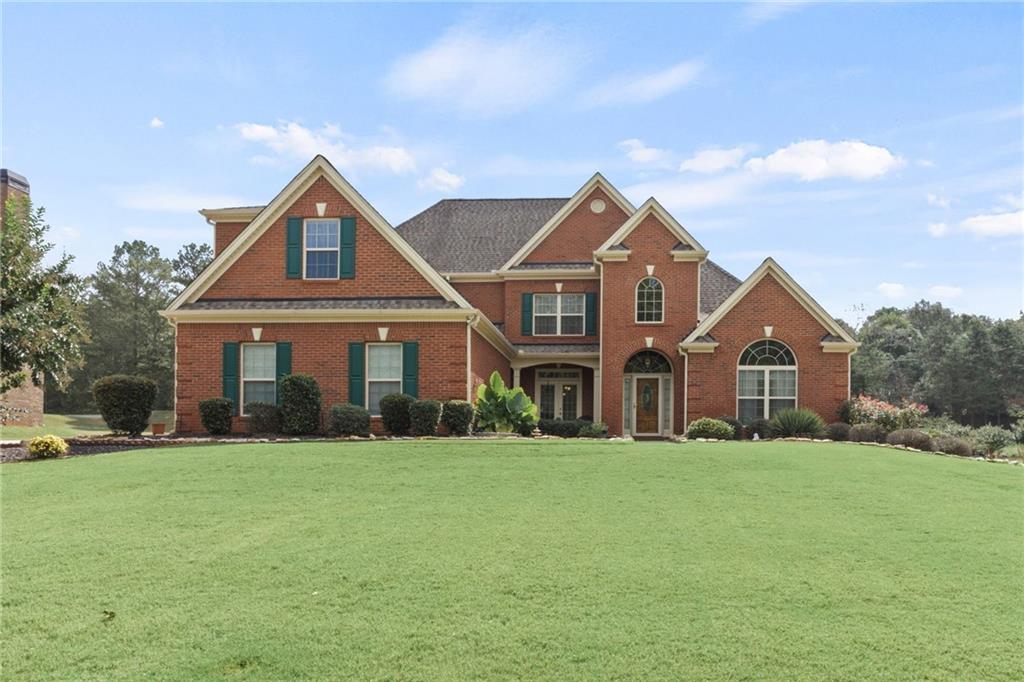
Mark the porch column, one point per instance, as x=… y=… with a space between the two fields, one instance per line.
x=515 y=377
x=597 y=394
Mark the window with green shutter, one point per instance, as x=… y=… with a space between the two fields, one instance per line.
x=293 y=248
x=526 y=315
x=411 y=368
x=229 y=373
x=284 y=365
x=591 y=314
x=357 y=373
x=348 y=248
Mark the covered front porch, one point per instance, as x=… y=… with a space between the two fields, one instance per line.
x=564 y=382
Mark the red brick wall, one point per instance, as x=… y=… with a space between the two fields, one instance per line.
x=821 y=377
x=380 y=269
x=319 y=349
x=514 y=290
x=224 y=234
x=650 y=244
x=489 y=297
x=485 y=359
x=580 y=233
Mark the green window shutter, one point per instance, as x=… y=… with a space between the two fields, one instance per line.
x=293 y=250
x=357 y=373
x=348 y=249
x=526 y=310
x=411 y=368
x=591 y=314
x=284 y=365
x=229 y=373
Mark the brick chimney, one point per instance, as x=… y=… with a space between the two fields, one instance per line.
x=12 y=184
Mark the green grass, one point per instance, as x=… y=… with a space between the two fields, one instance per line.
x=438 y=560
x=68 y=425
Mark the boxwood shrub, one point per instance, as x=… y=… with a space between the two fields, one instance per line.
x=951 y=445
x=594 y=430
x=300 y=405
x=125 y=402
x=424 y=416
x=348 y=420
x=802 y=423
x=868 y=433
x=263 y=417
x=838 y=431
x=215 y=413
x=394 y=412
x=911 y=438
x=737 y=427
x=457 y=416
x=706 y=427
x=990 y=440
x=564 y=428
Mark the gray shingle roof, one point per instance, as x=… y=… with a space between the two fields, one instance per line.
x=476 y=235
x=716 y=284
x=557 y=347
x=383 y=303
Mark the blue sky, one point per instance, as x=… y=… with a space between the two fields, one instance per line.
x=876 y=151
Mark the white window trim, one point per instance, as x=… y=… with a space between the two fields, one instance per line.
x=767 y=385
x=576 y=380
x=367 y=380
x=558 y=313
x=305 y=221
x=242 y=378
x=636 y=301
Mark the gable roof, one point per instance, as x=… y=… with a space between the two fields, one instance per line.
x=652 y=207
x=716 y=284
x=596 y=181
x=770 y=267
x=315 y=169
x=476 y=235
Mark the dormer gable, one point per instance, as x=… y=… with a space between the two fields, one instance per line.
x=686 y=247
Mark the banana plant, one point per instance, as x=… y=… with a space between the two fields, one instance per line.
x=504 y=410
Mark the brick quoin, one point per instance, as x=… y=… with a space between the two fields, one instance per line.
x=580 y=233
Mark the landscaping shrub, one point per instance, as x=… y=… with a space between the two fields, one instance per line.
x=263 y=417
x=838 y=431
x=215 y=413
x=502 y=409
x=867 y=410
x=802 y=423
x=47 y=446
x=990 y=440
x=564 y=428
x=945 y=426
x=125 y=402
x=300 y=405
x=594 y=430
x=761 y=427
x=845 y=412
x=424 y=416
x=868 y=433
x=952 y=445
x=706 y=427
x=457 y=416
x=348 y=420
x=911 y=438
x=394 y=412
x=737 y=427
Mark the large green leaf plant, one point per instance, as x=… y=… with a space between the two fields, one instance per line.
x=503 y=409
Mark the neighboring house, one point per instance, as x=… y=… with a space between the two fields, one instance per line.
x=595 y=307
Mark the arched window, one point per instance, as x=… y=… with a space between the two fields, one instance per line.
x=650 y=300
x=766 y=380
x=648 y=362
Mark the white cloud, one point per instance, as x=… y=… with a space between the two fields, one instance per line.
x=995 y=224
x=680 y=194
x=819 y=159
x=714 y=160
x=441 y=180
x=480 y=72
x=639 y=152
x=925 y=163
x=937 y=200
x=169 y=199
x=938 y=229
x=892 y=290
x=945 y=291
x=755 y=13
x=291 y=141
x=914 y=265
x=1012 y=200
x=643 y=88
x=155 y=122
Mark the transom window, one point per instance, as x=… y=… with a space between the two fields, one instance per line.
x=259 y=373
x=766 y=380
x=650 y=300
x=558 y=314
x=648 y=362
x=322 y=248
x=383 y=373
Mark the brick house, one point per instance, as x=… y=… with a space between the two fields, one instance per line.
x=595 y=307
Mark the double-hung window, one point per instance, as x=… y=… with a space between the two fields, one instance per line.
x=383 y=373
x=259 y=373
x=558 y=314
x=765 y=381
x=322 y=250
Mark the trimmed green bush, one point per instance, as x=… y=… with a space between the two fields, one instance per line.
x=424 y=416
x=300 y=405
x=564 y=428
x=594 y=430
x=838 y=431
x=348 y=420
x=215 y=413
x=125 y=402
x=394 y=412
x=263 y=417
x=46 y=447
x=457 y=416
x=706 y=427
x=761 y=427
x=990 y=440
x=911 y=438
x=951 y=445
x=868 y=433
x=802 y=423
x=737 y=427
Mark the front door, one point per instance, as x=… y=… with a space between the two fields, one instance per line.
x=647 y=413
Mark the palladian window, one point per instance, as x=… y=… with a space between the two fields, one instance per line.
x=766 y=380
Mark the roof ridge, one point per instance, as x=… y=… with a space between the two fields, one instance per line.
x=503 y=199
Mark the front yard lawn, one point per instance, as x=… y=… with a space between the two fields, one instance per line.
x=70 y=425
x=510 y=560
